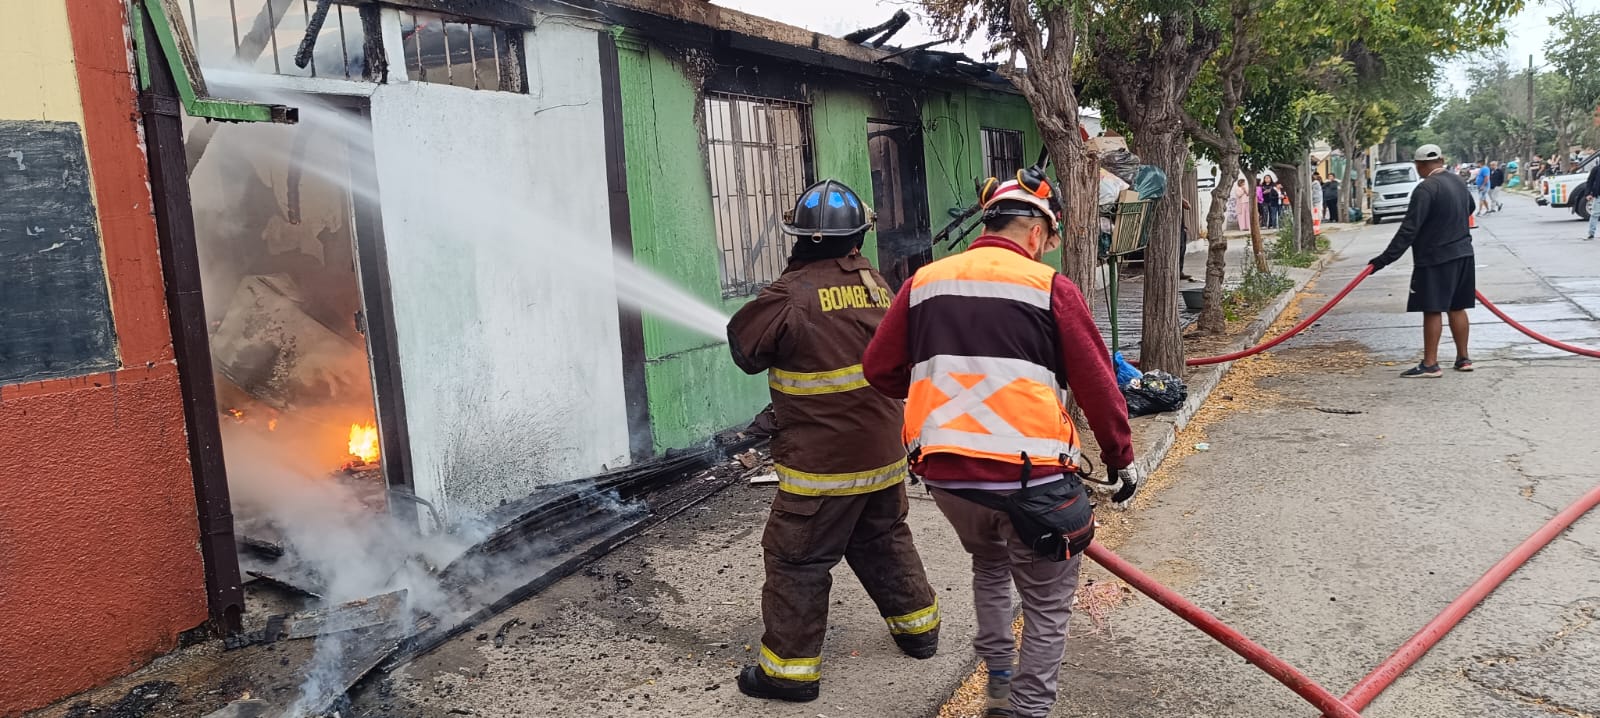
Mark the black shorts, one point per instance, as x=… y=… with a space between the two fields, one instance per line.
x=1444 y=287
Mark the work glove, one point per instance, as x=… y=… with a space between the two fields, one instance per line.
x=1123 y=489
x=1377 y=264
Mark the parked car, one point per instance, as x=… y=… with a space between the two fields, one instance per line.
x=1568 y=190
x=1391 y=190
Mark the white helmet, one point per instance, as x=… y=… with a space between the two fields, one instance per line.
x=994 y=191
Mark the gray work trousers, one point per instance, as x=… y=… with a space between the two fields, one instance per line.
x=998 y=559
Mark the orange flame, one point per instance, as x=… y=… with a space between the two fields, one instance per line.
x=272 y=424
x=364 y=442
x=236 y=414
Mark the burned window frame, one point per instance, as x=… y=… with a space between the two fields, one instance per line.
x=510 y=53
x=359 y=26
x=752 y=232
x=996 y=140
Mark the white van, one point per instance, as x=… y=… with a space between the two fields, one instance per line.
x=1391 y=189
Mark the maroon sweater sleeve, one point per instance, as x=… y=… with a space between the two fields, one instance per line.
x=1090 y=374
x=887 y=361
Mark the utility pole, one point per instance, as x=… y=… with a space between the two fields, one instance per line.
x=1527 y=162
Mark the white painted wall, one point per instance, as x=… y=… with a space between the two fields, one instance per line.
x=495 y=218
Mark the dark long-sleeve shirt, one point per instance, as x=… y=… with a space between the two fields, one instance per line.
x=1436 y=228
x=1084 y=359
x=1594 y=181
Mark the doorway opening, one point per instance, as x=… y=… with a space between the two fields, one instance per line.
x=900 y=195
x=295 y=289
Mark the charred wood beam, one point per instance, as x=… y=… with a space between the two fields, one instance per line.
x=377 y=610
x=886 y=30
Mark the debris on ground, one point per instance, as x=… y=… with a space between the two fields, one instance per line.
x=761 y=479
x=1154 y=392
x=363 y=613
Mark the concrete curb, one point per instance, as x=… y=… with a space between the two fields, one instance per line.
x=1204 y=380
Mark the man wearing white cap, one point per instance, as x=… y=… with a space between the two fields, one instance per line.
x=1437 y=229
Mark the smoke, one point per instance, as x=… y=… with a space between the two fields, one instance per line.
x=282 y=478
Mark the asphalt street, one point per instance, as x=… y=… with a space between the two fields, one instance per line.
x=1331 y=537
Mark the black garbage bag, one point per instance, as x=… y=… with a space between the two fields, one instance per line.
x=1153 y=393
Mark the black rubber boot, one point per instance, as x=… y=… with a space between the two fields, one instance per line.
x=920 y=646
x=755 y=683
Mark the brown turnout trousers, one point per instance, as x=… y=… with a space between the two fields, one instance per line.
x=805 y=538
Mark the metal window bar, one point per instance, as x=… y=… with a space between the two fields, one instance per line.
x=472 y=55
x=272 y=22
x=1002 y=152
x=344 y=46
x=233 y=19
x=757 y=154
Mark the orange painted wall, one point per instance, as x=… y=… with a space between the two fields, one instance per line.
x=100 y=566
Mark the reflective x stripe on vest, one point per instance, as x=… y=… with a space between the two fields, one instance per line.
x=968 y=421
x=983 y=377
x=794 y=669
x=859 y=482
x=799 y=383
x=914 y=623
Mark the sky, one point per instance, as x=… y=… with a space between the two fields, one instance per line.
x=1525 y=32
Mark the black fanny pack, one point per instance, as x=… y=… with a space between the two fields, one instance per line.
x=1055 y=519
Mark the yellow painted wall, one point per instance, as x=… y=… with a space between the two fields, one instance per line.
x=38 y=80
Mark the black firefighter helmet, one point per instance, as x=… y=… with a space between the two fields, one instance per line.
x=828 y=209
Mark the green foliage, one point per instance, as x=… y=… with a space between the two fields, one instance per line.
x=1255 y=289
x=1283 y=250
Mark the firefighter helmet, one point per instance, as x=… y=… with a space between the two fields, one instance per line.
x=828 y=209
x=1031 y=187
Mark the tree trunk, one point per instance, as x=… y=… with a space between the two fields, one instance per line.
x=1164 y=145
x=1213 y=320
x=1305 y=227
x=1347 y=141
x=1296 y=180
x=1255 y=222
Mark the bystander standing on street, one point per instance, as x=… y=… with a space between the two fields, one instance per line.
x=1497 y=179
x=1330 y=199
x=1437 y=230
x=1480 y=188
x=1593 y=186
x=1270 y=206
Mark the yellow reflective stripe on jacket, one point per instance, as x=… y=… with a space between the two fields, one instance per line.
x=793 y=669
x=914 y=623
x=798 y=383
x=859 y=482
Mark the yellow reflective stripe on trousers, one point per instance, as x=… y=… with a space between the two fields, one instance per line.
x=799 y=383
x=792 y=669
x=914 y=623
x=860 y=482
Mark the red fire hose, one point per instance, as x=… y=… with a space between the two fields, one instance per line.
x=1535 y=335
x=1308 y=321
x=1392 y=667
x=1409 y=652
x=1235 y=641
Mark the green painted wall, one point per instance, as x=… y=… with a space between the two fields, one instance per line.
x=953 y=122
x=695 y=390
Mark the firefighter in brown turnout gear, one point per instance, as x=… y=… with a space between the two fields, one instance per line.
x=840 y=462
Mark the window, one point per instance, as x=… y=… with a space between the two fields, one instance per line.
x=451 y=51
x=266 y=37
x=1002 y=152
x=758 y=154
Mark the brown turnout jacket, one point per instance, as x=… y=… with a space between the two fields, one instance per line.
x=836 y=435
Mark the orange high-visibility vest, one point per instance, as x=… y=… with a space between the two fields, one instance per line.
x=984 y=379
